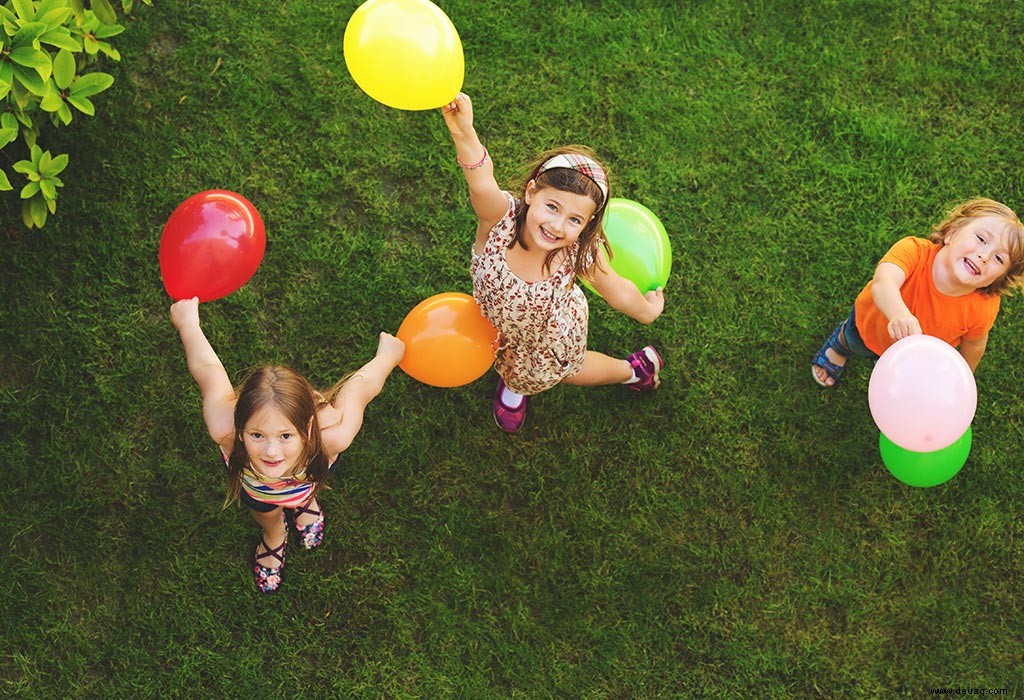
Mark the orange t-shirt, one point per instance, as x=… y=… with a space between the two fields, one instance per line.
x=947 y=318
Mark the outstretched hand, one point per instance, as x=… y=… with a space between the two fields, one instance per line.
x=390 y=347
x=458 y=115
x=656 y=300
x=185 y=312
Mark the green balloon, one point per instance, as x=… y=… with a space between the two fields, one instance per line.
x=925 y=468
x=641 y=251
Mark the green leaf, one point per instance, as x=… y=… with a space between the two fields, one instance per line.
x=26 y=215
x=8 y=121
x=37 y=205
x=35 y=153
x=51 y=101
x=105 y=11
x=53 y=18
x=11 y=25
x=78 y=7
x=6 y=72
x=55 y=167
x=45 y=6
x=91 y=84
x=90 y=45
x=29 y=32
x=7 y=135
x=111 y=53
x=82 y=104
x=5 y=88
x=30 y=57
x=62 y=39
x=48 y=190
x=107 y=30
x=44 y=162
x=26 y=12
x=29 y=190
x=5 y=183
x=51 y=204
x=26 y=167
x=64 y=113
x=64 y=69
x=25 y=119
x=30 y=80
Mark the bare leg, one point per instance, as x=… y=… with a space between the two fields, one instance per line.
x=274 y=531
x=599 y=369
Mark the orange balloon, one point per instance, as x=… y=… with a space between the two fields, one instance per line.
x=448 y=342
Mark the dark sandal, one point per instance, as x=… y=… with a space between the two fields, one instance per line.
x=832 y=370
x=269 y=578
x=313 y=534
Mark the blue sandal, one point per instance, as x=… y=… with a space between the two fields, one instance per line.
x=832 y=370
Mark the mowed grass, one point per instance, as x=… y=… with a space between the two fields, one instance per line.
x=732 y=535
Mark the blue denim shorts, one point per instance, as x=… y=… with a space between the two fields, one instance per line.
x=853 y=340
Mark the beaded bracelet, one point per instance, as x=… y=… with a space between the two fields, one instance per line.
x=474 y=166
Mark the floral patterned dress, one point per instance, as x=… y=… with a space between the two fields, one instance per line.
x=543 y=324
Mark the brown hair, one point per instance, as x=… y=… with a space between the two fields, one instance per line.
x=957 y=218
x=568 y=180
x=287 y=391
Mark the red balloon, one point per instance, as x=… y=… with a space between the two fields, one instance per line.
x=211 y=245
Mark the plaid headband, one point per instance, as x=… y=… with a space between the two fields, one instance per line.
x=581 y=164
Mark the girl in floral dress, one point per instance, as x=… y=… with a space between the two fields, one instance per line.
x=528 y=252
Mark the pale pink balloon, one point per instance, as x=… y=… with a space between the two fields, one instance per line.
x=922 y=394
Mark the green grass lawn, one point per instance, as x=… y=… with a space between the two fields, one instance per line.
x=734 y=535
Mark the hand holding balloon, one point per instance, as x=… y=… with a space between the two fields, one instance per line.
x=458 y=115
x=390 y=348
x=185 y=313
x=656 y=299
x=903 y=326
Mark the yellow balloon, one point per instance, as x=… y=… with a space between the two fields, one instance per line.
x=404 y=53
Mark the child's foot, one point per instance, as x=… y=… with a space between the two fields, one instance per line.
x=830 y=361
x=269 y=564
x=509 y=418
x=646 y=364
x=309 y=524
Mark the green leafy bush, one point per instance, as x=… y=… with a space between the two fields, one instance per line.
x=46 y=50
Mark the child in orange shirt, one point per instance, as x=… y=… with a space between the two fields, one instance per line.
x=948 y=286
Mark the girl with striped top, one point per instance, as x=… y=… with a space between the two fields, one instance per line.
x=280 y=438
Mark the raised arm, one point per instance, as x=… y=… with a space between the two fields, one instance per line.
x=488 y=201
x=206 y=368
x=885 y=291
x=360 y=389
x=623 y=295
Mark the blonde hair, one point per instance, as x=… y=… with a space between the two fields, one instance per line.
x=960 y=215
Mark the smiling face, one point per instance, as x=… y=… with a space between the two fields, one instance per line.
x=556 y=218
x=274 y=446
x=978 y=254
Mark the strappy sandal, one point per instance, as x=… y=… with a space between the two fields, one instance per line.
x=269 y=578
x=311 y=535
x=832 y=370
